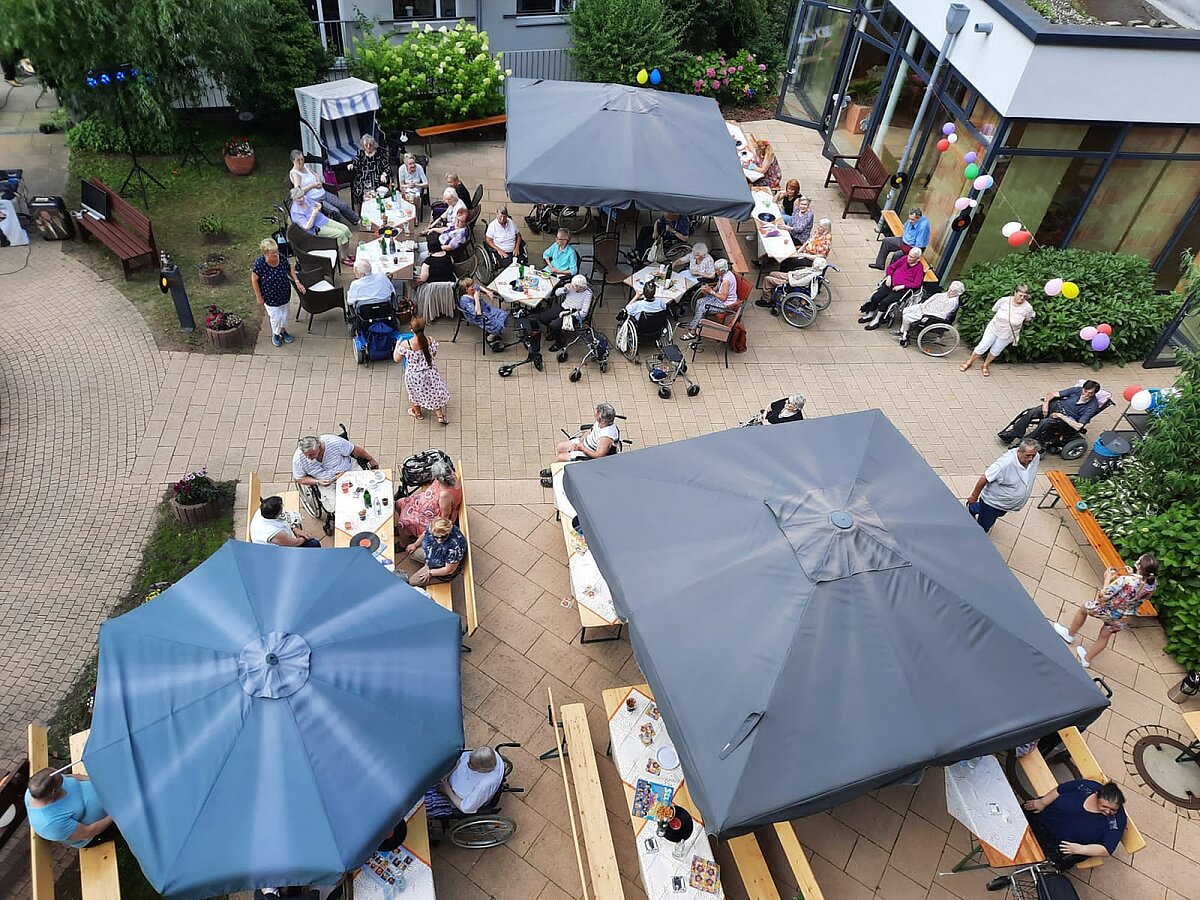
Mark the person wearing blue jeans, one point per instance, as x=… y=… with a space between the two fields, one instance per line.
x=1006 y=485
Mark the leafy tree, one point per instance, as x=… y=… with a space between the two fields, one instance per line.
x=284 y=54
x=756 y=26
x=612 y=40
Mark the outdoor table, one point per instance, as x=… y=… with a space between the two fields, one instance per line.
x=745 y=153
x=537 y=287
x=592 y=597
x=378 y=519
x=979 y=796
x=669 y=290
x=637 y=763
x=774 y=240
x=401 y=214
x=398 y=266
x=379 y=877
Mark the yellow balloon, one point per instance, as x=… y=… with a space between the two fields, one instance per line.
x=1070 y=290
x=643 y=76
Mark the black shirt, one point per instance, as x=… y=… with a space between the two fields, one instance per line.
x=774 y=410
x=440 y=267
x=788 y=203
x=464 y=195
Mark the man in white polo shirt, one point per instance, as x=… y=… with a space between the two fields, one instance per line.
x=502 y=236
x=268 y=526
x=318 y=461
x=1006 y=485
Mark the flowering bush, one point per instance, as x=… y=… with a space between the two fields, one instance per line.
x=731 y=79
x=194 y=488
x=219 y=320
x=433 y=77
x=238 y=146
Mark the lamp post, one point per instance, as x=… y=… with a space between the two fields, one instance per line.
x=956 y=18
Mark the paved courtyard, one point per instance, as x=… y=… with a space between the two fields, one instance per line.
x=97 y=422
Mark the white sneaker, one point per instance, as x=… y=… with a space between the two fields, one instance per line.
x=1082 y=654
x=1062 y=632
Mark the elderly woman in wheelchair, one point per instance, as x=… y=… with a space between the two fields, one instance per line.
x=902 y=278
x=942 y=307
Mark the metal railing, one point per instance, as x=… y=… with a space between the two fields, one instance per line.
x=553 y=64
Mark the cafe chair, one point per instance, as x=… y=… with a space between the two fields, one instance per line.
x=719 y=328
x=313 y=251
x=319 y=296
x=606 y=270
x=473 y=215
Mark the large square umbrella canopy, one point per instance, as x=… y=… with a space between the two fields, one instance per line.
x=817 y=615
x=271 y=716
x=582 y=144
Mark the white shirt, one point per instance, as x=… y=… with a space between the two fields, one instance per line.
x=304 y=179
x=704 y=267
x=1009 y=483
x=578 y=302
x=336 y=460
x=591 y=437
x=416 y=176
x=504 y=236
x=635 y=308
x=449 y=217
x=475 y=788
x=940 y=305
x=375 y=286
x=263 y=529
x=1009 y=318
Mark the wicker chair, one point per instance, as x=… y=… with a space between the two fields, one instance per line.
x=314 y=252
x=319 y=295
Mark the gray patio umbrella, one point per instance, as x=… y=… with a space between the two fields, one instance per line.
x=584 y=144
x=817 y=615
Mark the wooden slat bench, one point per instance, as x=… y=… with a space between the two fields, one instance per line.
x=1063 y=488
x=860 y=183
x=727 y=230
x=432 y=131
x=798 y=860
x=1042 y=780
x=589 y=800
x=41 y=854
x=892 y=220
x=442 y=592
x=291 y=500
x=752 y=868
x=126 y=232
x=97 y=865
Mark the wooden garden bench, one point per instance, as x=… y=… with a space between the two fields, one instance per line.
x=126 y=232
x=432 y=131
x=727 y=230
x=860 y=183
x=442 y=592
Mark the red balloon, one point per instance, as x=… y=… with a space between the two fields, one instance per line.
x=1018 y=238
x=1130 y=391
x=1104 y=328
x=943 y=145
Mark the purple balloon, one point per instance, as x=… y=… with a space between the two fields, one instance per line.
x=971 y=157
x=1100 y=342
x=948 y=128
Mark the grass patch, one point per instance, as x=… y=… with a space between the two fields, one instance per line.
x=176 y=213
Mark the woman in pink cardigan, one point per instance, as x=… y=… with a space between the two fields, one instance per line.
x=904 y=274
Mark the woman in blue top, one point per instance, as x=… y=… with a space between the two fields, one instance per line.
x=561 y=258
x=65 y=810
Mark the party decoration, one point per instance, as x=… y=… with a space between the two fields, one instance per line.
x=1070 y=290
x=961 y=203
x=655 y=76
x=1018 y=238
x=1141 y=401
x=973 y=203
x=948 y=128
x=952 y=138
x=900 y=179
x=971 y=172
x=960 y=223
x=971 y=157
x=983 y=182
x=1053 y=286
x=1100 y=342
x=943 y=145
x=1087 y=333
x=643 y=76
x=1104 y=328
x=1010 y=228
x=1130 y=391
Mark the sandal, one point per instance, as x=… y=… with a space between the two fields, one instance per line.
x=415 y=413
x=442 y=420
x=964 y=367
x=987 y=373
x=547 y=482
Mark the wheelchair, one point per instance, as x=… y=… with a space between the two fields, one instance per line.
x=487 y=261
x=547 y=218
x=800 y=302
x=1070 y=446
x=310 y=494
x=654 y=329
x=486 y=828
x=1041 y=881
x=936 y=336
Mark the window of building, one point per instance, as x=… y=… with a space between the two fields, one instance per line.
x=1063 y=136
x=542 y=7
x=408 y=10
x=1152 y=139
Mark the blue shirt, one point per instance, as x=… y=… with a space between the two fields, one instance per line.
x=1068 y=404
x=1067 y=820
x=565 y=260
x=442 y=553
x=302 y=209
x=682 y=225
x=57 y=821
x=916 y=234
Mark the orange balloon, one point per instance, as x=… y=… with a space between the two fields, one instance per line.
x=1104 y=328
x=1130 y=391
x=1018 y=238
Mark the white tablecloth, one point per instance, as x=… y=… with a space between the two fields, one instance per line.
x=398 y=266
x=631 y=756
x=381 y=876
x=680 y=282
x=774 y=240
x=979 y=796
x=587 y=584
x=401 y=213
x=537 y=285
x=377 y=519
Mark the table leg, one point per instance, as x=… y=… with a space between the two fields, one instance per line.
x=969 y=863
x=1191 y=754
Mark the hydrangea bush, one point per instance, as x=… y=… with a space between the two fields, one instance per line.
x=433 y=77
x=728 y=79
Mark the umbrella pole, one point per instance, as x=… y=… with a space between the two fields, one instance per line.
x=347 y=886
x=67 y=766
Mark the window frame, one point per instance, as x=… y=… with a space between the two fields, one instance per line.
x=561 y=8
x=439 y=13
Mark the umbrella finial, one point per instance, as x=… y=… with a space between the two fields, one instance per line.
x=274 y=666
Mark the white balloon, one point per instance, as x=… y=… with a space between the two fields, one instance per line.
x=1141 y=401
x=1010 y=229
x=973 y=204
x=952 y=138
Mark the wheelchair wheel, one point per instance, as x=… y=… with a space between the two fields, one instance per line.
x=562 y=356
x=310 y=500
x=362 y=357
x=798 y=310
x=485 y=264
x=664 y=392
x=575 y=218
x=481 y=832
x=938 y=339
x=1074 y=448
x=824 y=297
x=575 y=375
x=603 y=364
x=693 y=390
x=505 y=371
x=676 y=251
x=627 y=341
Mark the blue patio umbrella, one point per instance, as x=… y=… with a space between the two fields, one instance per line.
x=271 y=716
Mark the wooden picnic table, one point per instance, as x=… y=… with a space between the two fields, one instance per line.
x=977 y=791
x=670 y=290
x=774 y=239
x=411 y=860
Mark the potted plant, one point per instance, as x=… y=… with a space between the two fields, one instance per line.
x=212 y=270
x=212 y=230
x=863 y=94
x=239 y=155
x=225 y=330
x=195 y=498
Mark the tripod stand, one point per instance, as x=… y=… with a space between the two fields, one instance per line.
x=138 y=169
x=192 y=152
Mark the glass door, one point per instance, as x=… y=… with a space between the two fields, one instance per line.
x=818 y=34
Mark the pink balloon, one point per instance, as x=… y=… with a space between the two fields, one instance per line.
x=1100 y=342
x=1054 y=287
x=1087 y=333
x=961 y=203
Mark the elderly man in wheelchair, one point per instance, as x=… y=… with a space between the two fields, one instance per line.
x=594 y=440
x=465 y=804
x=1061 y=419
x=316 y=465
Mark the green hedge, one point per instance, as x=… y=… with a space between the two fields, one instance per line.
x=1114 y=288
x=100 y=136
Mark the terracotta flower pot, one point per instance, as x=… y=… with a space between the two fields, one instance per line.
x=226 y=338
x=195 y=513
x=213 y=276
x=240 y=165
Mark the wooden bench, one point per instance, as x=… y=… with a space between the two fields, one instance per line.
x=41 y=853
x=891 y=219
x=860 y=183
x=126 y=232
x=1063 y=488
x=442 y=592
x=291 y=500
x=97 y=865
x=432 y=131
x=798 y=860
x=727 y=230
x=575 y=744
x=1042 y=780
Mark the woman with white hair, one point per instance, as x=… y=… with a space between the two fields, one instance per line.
x=307 y=215
x=573 y=300
x=441 y=497
x=269 y=279
x=940 y=306
x=699 y=263
x=714 y=298
x=413 y=182
x=301 y=177
x=786 y=409
x=445 y=211
x=368 y=171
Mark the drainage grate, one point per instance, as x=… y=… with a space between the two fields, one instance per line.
x=1152 y=755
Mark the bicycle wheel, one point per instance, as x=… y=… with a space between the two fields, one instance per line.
x=798 y=310
x=481 y=832
x=824 y=297
x=938 y=340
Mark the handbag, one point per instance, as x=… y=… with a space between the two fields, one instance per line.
x=568 y=323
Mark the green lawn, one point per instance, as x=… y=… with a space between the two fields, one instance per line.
x=175 y=214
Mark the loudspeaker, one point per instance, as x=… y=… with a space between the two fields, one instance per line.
x=50 y=216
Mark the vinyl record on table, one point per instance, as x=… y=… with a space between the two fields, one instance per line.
x=367 y=539
x=961 y=222
x=900 y=179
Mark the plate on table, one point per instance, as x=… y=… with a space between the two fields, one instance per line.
x=368 y=540
x=667 y=757
x=766 y=216
x=773 y=232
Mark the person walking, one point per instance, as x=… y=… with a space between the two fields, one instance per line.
x=424 y=382
x=269 y=277
x=1006 y=485
x=1117 y=599
x=1009 y=316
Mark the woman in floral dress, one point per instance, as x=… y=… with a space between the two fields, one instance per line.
x=426 y=388
x=441 y=497
x=1116 y=601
